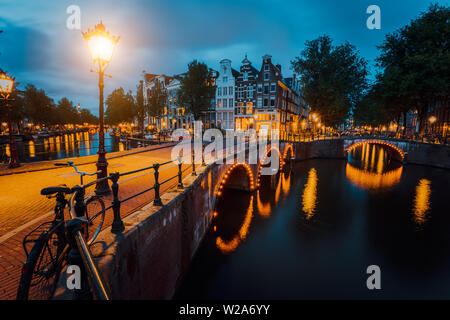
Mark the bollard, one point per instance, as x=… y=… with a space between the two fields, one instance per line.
x=117 y=225
x=180 y=173
x=157 y=201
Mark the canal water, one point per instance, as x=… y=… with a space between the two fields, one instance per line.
x=65 y=146
x=311 y=233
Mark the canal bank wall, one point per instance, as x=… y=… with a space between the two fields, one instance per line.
x=148 y=260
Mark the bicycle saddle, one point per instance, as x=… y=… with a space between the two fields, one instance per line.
x=53 y=190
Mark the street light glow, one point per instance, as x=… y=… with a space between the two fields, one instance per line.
x=432 y=119
x=6 y=84
x=100 y=43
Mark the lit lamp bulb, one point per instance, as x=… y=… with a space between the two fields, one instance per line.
x=100 y=43
x=6 y=84
x=432 y=119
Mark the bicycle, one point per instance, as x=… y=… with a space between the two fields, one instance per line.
x=52 y=241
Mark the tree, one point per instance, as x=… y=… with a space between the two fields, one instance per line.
x=416 y=60
x=120 y=107
x=87 y=117
x=333 y=78
x=197 y=90
x=66 y=112
x=38 y=107
x=140 y=106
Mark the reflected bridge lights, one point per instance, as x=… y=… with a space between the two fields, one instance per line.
x=309 y=196
x=421 y=205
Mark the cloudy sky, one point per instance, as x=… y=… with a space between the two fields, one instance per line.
x=163 y=36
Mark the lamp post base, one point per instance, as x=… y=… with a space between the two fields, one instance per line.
x=102 y=187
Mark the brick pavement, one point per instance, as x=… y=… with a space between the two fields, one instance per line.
x=21 y=203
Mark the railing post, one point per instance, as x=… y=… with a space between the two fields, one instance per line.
x=157 y=201
x=80 y=205
x=117 y=225
x=180 y=173
x=193 y=164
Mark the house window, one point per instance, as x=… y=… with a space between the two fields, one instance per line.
x=219 y=91
x=272 y=87
x=219 y=103
x=266 y=67
x=266 y=89
x=230 y=103
x=225 y=79
x=250 y=92
x=224 y=91
x=266 y=102
x=230 y=90
x=272 y=101
x=266 y=76
x=259 y=102
x=224 y=103
x=259 y=88
x=245 y=76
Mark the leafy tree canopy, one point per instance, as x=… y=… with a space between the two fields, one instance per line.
x=197 y=89
x=333 y=78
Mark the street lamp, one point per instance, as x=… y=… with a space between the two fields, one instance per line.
x=6 y=88
x=101 y=46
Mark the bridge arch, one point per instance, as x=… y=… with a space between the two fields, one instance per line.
x=357 y=144
x=258 y=170
x=233 y=178
x=288 y=149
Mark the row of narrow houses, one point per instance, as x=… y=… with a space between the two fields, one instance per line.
x=245 y=99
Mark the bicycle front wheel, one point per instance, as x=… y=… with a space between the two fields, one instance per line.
x=40 y=273
x=95 y=214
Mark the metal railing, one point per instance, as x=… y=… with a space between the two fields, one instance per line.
x=78 y=208
x=305 y=137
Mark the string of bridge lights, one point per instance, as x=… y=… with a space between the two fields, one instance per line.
x=358 y=144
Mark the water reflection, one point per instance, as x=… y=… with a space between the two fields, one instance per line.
x=372 y=181
x=422 y=201
x=68 y=145
x=309 y=196
x=263 y=209
x=231 y=245
x=370 y=167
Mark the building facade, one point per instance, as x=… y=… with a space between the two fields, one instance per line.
x=278 y=106
x=225 y=97
x=245 y=96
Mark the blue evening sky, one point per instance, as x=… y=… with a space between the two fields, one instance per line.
x=163 y=36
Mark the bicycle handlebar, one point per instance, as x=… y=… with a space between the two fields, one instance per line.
x=71 y=164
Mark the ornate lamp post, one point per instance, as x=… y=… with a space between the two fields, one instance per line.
x=6 y=88
x=101 y=46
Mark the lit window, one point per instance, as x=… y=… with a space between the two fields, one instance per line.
x=219 y=103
